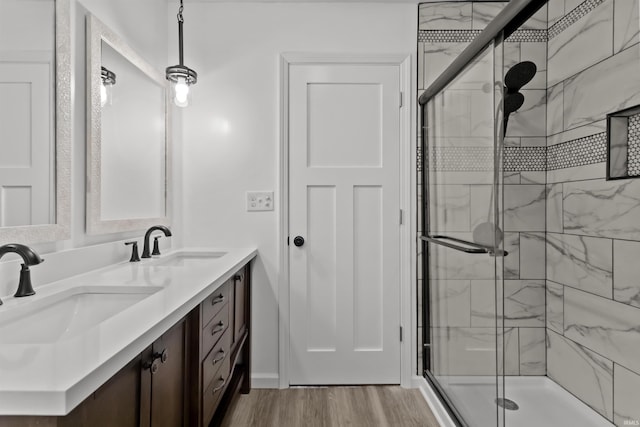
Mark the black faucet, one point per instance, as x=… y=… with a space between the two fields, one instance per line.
x=30 y=258
x=146 y=253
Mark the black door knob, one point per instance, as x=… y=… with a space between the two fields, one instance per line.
x=298 y=240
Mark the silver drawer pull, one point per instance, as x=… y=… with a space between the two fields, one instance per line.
x=224 y=381
x=218 y=328
x=221 y=358
x=217 y=300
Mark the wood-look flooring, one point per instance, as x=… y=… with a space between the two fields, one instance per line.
x=363 y=406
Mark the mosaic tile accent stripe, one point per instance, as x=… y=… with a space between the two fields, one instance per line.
x=517 y=159
x=461 y=159
x=479 y=159
x=467 y=36
x=528 y=36
x=633 y=150
x=573 y=16
x=578 y=152
x=447 y=36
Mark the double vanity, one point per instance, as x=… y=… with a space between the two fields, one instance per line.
x=162 y=342
x=165 y=341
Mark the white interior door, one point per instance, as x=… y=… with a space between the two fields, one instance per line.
x=25 y=144
x=344 y=200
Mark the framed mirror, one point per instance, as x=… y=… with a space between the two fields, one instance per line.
x=128 y=149
x=35 y=120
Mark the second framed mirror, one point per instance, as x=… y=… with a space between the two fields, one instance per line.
x=128 y=146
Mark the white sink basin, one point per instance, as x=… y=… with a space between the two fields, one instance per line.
x=187 y=259
x=65 y=314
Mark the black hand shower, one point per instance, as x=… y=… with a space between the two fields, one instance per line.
x=516 y=77
x=512 y=101
x=519 y=75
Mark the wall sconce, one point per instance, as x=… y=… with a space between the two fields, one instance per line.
x=106 y=89
x=180 y=76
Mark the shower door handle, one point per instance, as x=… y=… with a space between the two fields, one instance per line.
x=470 y=248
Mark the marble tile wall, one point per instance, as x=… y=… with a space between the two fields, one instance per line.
x=573 y=238
x=461 y=193
x=592 y=227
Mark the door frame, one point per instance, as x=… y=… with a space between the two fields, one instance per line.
x=408 y=229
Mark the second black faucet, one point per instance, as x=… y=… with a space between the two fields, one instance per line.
x=146 y=252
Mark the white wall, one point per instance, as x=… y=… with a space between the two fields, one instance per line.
x=231 y=130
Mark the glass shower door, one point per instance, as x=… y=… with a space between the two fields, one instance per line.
x=462 y=244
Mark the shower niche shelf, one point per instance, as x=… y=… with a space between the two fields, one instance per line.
x=623 y=144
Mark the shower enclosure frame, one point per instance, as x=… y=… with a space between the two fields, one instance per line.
x=516 y=13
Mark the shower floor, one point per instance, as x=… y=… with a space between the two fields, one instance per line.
x=542 y=402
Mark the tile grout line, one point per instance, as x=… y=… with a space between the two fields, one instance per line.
x=569 y=391
x=573 y=17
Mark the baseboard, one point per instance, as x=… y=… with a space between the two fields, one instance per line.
x=438 y=410
x=265 y=381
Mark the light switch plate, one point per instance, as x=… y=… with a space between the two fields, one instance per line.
x=259 y=201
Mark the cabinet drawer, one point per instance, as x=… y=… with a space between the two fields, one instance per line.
x=214 y=329
x=216 y=358
x=214 y=390
x=212 y=305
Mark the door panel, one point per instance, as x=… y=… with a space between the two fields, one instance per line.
x=322 y=267
x=337 y=137
x=26 y=147
x=344 y=200
x=368 y=292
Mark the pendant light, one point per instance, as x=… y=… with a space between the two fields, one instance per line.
x=108 y=78
x=181 y=76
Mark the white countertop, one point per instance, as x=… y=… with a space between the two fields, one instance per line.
x=52 y=379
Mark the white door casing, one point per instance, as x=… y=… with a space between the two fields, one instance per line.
x=344 y=199
x=26 y=147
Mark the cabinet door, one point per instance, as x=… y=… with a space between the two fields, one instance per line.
x=168 y=381
x=240 y=302
x=115 y=403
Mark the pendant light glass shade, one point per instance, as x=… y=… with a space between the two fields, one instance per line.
x=181 y=76
x=181 y=79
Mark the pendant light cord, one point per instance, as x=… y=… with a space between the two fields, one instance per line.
x=180 y=22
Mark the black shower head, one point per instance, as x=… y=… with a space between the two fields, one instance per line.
x=512 y=101
x=519 y=75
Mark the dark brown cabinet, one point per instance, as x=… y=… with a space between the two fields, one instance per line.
x=187 y=377
x=116 y=403
x=164 y=380
x=219 y=327
x=148 y=392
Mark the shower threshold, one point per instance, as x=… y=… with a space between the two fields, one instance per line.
x=541 y=402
